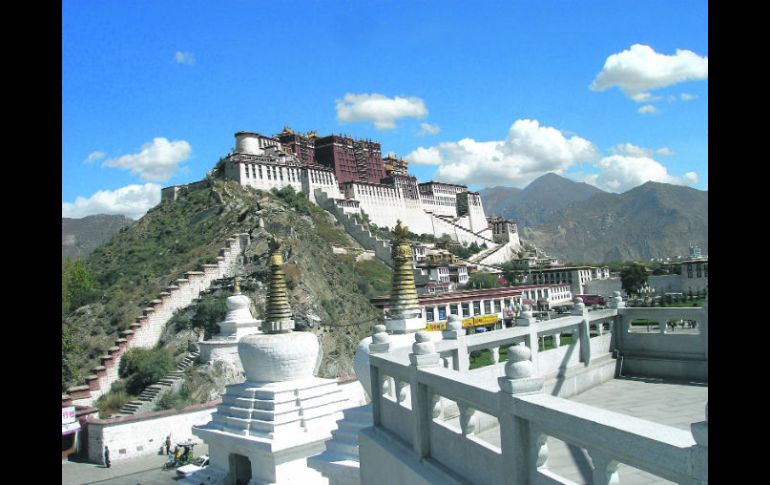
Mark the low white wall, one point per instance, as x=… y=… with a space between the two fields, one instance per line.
x=143 y=435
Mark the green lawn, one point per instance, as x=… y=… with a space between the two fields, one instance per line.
x=481 y=358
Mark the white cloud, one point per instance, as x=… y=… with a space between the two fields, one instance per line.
x=640 y=69
x=687 y=97
x=648 y=109
x=379 y=109
x=156 y=162
x=94 y=156
x=132 y=201
x=631 y=150
x=425 y=156
x=184 y=58
x=664 y=151
x=619 y=173
x=641 y=97
x=428 y=129
x=529 y=151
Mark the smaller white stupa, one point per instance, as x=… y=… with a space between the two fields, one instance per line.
x=266 y=427
x=237 y=324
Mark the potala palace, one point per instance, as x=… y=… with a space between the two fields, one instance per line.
x=589 y=396
x=349 y=176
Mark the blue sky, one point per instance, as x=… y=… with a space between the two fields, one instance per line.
x=483 y=93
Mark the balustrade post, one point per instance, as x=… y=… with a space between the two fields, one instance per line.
x=423 y=355
x=526 y=319
x=379 y=385
x=605 y=469
x=402 y=392
x=704 y=328
x=522 y=447
x=495 y=354
x=376 y=387
x=700 y=453
x=455 y=331
x=556 y=340
x=616 y=301
x=584 y=333
x=468 y=419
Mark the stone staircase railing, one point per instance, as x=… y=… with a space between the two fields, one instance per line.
x=357 y=230
x=146 y=331
x=468 y=233
x=149 y=397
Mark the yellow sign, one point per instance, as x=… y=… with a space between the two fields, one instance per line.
x=468 y=322
x=485 y=320
x=480 y=320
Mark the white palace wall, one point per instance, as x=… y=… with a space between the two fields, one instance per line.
x=135 y=436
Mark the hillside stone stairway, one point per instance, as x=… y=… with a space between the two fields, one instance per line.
x=146 y=331
x=146 y=401
x=451 y=220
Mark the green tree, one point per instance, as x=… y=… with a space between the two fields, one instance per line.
x=632 y=278
x=69 y=348
x=77 y=285
x=483 y=280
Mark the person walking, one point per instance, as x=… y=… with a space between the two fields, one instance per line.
x=107 y=456
x=168 y=444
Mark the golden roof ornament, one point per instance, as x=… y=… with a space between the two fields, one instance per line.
x=403 y=296
x=278 y=318
x=237 y=285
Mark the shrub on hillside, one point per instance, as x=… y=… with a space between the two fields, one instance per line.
x=142 y=367
x=108 y=404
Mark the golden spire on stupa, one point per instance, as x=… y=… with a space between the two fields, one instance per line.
x=278 y=318
x=403 y=296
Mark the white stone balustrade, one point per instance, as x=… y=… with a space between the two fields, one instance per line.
x=526 y=416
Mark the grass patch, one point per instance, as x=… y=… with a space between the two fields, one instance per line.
x=109 y=404
x=481 y=358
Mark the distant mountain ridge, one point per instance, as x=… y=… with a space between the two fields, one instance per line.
x=541 y=198
x=79 y=237
x=650 y=221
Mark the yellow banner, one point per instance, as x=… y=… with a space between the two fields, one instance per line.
x=485 y=319
x=468 y=322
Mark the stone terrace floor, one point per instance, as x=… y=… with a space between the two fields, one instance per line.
x=676 y=404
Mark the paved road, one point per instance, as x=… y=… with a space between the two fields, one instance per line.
x=138 y=471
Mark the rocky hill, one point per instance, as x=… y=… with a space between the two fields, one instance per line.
x=330 y=289
x=81 y=236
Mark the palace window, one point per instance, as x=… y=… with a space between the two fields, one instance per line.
x=466 y=310
x=453 y=309
x=429 y=314
x=442 y=313
x=477 y=308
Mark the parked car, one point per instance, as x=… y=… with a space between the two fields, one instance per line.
x=198 y=464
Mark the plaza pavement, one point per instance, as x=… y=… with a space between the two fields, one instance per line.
x=676 y=404
x=131 y=471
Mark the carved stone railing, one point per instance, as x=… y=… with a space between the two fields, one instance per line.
x=524 y=417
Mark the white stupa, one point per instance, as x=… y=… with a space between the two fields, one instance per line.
x=237 y=324
x=266 y=427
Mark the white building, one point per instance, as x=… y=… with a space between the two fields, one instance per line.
x=433 y=208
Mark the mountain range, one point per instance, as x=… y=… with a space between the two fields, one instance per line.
x=577 y=222
x=81 y=236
